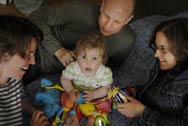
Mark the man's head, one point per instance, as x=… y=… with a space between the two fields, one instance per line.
x=114 y=15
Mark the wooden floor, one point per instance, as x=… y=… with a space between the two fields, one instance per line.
x=10 y=9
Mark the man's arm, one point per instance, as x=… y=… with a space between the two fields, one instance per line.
x=62 y=26
x=71 y=16
x=46 y=18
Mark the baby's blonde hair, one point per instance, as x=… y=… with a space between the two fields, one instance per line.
x=91 y=41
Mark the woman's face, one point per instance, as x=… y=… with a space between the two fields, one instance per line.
x=16 y=66
x=163 y=52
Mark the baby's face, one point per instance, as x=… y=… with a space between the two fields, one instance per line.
x=89 y=61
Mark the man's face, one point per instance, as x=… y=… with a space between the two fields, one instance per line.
x=112 y=19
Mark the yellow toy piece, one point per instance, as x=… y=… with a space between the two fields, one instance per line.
x=114 y=91
x=86 y=108
x=56 y=86
x=57 y=119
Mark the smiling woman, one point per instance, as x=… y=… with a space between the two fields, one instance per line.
x=170 y=43
x=18 y=43
x=163 y=101
x=15 y=65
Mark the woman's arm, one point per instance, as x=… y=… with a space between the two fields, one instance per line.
x=151 y=117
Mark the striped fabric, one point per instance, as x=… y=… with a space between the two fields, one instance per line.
x=10 y=104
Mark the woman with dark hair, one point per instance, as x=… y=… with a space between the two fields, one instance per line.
x=164 y=101
x=18 y=42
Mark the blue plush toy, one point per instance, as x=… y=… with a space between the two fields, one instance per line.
x=49 y=97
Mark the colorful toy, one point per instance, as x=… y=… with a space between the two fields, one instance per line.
x=49 y=97
x=89 y=109
x=67 y=110
x=117 y=95
x=64 y=112
x=98 y=109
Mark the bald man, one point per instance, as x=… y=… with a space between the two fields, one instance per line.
x=62 y=26
x=115 y=14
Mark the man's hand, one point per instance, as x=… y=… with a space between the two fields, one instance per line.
x=65 y=56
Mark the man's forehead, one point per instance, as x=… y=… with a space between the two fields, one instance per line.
x=117 y=13
x=120 y=6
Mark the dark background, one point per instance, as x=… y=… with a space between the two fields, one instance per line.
x=164 y=7
x=143 y=7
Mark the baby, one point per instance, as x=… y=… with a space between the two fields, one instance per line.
x=88 y=73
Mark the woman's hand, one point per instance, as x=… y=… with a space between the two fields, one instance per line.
x=65 y=56
x=39 y=119
x=131 y=108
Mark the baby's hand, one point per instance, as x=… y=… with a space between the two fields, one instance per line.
x=88 y=95
x=73 y=94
